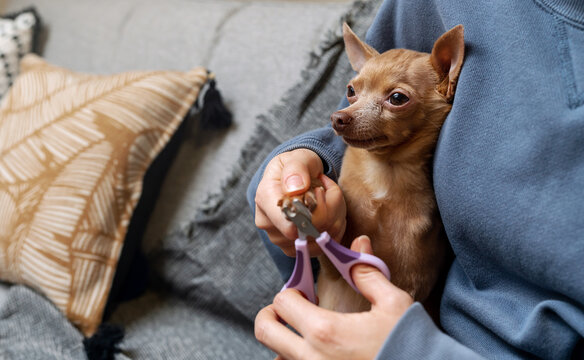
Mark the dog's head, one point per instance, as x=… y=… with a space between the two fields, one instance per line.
x=399 y=95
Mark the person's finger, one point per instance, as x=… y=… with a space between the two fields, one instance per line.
x=275 y=335
x=268 y=193
x=295 y=309
x=320 y=213
x=371 y=282
x=295 y=178
x=271 y=218
x=337 y=229
x=285 y=245
x=284 y=242
x=270 y=214
x=336 y=207
x=298 y=168
x=327 y=182
x=362 y=244
x=332 y=197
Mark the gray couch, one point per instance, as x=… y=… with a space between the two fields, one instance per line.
x=210 y=273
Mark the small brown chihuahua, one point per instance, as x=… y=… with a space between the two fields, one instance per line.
x=398 y=103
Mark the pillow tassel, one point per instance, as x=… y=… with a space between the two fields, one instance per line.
x=103 y=345
x=214 y=114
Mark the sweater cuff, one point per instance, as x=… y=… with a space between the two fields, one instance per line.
x=417 y=337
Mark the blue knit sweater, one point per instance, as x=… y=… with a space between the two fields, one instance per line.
x=508 y=176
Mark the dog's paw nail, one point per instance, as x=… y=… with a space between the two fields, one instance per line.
x=310 y=200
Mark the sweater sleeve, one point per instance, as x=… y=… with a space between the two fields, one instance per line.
x=416 y=327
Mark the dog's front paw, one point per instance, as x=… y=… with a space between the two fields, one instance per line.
x=308 y=198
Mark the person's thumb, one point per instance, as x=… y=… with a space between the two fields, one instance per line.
x=295 y=179
x=299 y=167
x=371 y=282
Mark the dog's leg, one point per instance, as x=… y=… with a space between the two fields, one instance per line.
x=334 y=293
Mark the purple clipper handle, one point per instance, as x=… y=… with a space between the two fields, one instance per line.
x=302 y=278
x=343 y=259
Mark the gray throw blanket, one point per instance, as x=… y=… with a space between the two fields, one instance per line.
x=212 y=277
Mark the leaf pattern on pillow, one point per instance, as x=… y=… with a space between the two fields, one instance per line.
x=74 y=149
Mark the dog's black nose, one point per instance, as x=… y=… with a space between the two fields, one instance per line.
x=340 y=120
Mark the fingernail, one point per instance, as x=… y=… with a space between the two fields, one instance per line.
x=294 y=182
x=363 y=246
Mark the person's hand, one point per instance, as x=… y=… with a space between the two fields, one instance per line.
x=290 y=173
x=325 y=334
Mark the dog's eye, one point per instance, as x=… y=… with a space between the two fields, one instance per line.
x=350 y=91
x=398 y=99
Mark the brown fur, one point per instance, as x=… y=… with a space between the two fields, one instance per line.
x=386 y=175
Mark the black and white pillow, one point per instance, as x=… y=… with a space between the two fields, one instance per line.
x=17 y=38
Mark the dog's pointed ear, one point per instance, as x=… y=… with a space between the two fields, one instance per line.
x=357 y=51
x=447 y=57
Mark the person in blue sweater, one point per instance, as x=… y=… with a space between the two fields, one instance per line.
x=509 y=180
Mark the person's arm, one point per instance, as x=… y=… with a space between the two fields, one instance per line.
x=324 y=142
x=416 y=327
x=330 y=149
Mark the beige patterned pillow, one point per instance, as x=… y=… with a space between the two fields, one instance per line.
x=73 y=152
